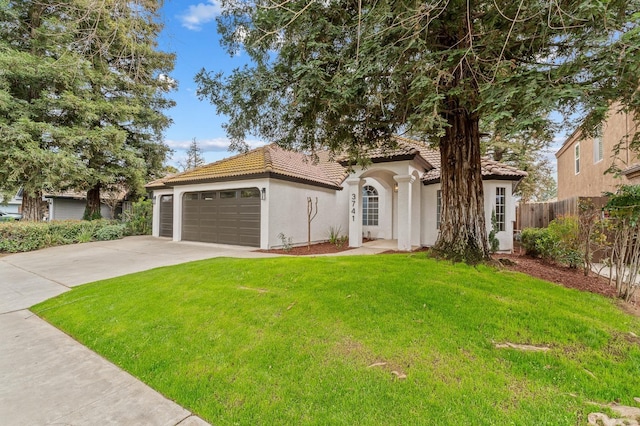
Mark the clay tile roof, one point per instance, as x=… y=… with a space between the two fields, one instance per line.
x=159 y=183
x=490 y=169
x=401 y=148
x=324 y=170
x=267 y=159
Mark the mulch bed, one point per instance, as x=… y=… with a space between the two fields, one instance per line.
x=315 y=249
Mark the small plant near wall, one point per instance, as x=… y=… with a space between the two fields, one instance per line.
x=287 y=242
x=311 y=214
x=494 y=243
x=336 y=238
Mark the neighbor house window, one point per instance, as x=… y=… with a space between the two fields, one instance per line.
x=438 y=208
x=577 y=157
x=369 y=206
x=598 y=149
x=501 y=199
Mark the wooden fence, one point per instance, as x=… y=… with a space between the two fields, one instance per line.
x=538 y=215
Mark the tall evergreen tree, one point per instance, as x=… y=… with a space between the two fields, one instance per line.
x=128 y=78
x=194 y=157
x=81 y=97
x=344 y=74
x=37 y=74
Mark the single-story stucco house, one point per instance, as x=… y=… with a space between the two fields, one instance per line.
x=70 y=205
x=255 y=198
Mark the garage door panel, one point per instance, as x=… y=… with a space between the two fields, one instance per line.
x=166 y=216
x=208 y=209
x=224 y=217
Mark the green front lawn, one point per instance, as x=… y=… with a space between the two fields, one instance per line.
x=328 y=341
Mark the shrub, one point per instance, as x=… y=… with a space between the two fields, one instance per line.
x=336 y=238
x=287 y=242
x=138 y=218
x=531 y=239
x=110 y=232
x=23 y=236
x=494 y=243
x=559 y=242
x=28 y=236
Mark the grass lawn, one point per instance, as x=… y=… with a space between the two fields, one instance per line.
x=328 y=340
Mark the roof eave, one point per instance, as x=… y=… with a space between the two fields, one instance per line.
x=484 y=177
x=257 y=175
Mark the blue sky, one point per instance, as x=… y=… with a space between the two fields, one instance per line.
x=190 y=33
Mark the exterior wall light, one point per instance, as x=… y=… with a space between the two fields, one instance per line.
x=395 y=187
x=153 y=200
x=263 y=194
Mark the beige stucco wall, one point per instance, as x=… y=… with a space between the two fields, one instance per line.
x=592 y=180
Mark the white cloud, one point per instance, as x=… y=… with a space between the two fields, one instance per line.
x=208 y=145
x=198 y=15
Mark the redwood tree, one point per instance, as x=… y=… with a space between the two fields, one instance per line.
x=346 y=74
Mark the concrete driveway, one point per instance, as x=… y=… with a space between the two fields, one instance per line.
x=48 y=378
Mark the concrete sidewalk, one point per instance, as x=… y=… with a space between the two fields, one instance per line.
x=48 y=378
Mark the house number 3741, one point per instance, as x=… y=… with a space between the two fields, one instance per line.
x=354 y=200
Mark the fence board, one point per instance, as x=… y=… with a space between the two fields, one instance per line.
x=538 y=215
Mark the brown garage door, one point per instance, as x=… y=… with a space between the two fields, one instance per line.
x=166 y=216
x=223 y=217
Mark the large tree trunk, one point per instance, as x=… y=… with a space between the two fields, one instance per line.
x=463 y=233
x=32 y=206
x=92 y=210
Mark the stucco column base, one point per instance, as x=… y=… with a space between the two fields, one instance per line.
x=355 y=212
x=404 y=211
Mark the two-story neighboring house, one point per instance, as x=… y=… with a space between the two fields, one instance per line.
x=582 y=162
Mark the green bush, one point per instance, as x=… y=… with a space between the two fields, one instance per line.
x=28 y=236
x=138 y=218
x=558 y=242
x=110 y=232
x=23 y=236
x=532 y=240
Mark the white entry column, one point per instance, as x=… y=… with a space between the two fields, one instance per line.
x=355 y=212
x=404 y=211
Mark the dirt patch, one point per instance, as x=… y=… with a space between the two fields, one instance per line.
x=315 y=249
x=526 y=348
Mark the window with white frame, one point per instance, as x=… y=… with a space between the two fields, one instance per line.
x=598 y=148
x=438 y=208
x=577 y=157
x=501 y=204
x=369 y=206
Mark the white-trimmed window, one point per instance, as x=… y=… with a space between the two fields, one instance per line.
x=369 y=206
x=576 y=151
x=438 y=208
x=598 y=148
x=501 y=207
